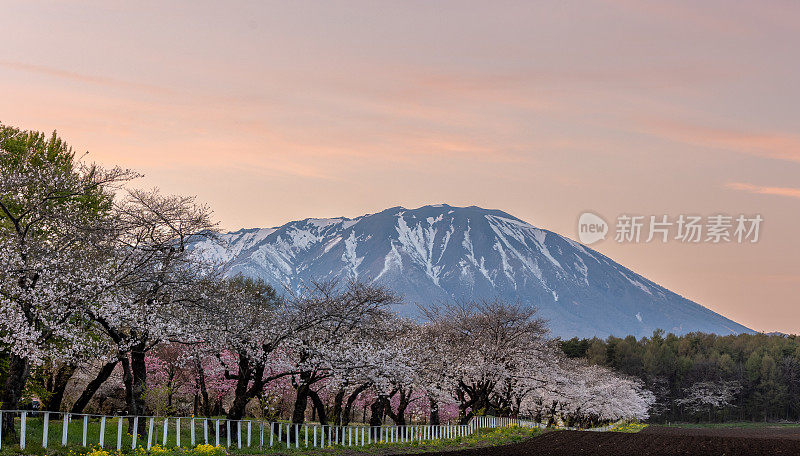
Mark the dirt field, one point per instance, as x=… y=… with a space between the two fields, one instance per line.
x=653 y=441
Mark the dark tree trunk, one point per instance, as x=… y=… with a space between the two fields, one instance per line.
x=19 y=370
x=319 y=406
x=303 y=389
x=434 y=412
x=170 y=391
x=248 y=371
x=300 y=404
x=93 y=386
x=139 y=370
x=57 y=386
x=240 y=397
x=348 y=407
x=338 y=400
x=399 y=418
x=376 y=416
x=201 y=386
x=134 y=376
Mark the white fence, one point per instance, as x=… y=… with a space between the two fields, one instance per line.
x=493 y=422
x=122 y=431
x=119 y=432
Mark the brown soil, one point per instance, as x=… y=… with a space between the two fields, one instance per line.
x=653 y=441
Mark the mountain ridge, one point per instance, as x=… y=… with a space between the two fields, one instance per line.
x=442 y=252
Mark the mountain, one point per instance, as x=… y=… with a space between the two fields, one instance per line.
x=439 y=252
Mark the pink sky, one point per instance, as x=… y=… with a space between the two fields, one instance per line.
x=271 y=112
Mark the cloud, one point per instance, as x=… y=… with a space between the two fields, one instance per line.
x=780 y=191
x=776 y=145
x=83 y=78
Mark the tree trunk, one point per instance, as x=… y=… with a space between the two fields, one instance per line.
x=434 y=412
x=201 y=385
x=93 y=386
x=348 y=408
x=376 y=416
x=319 y=406
x=338 y=400
x=139 y=370
x=134 y=376
x=241 y=397
x=19 y=370
x=58 y=387
x=243 y=394
x=399 y=418
x=300 y=404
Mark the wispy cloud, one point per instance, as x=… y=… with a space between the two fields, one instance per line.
x=776 y=145
x=83 y=78
x=780 y=191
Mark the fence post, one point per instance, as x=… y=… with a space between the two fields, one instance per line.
x=297 y=436
x=102 y=431
x=305 y=428
x=166 y=432
x=45 y=429
x=216 y=434
x=191 y=433
x=85 y=426
x=248 y=432
x=119 y=434
x=135 y=432
x=228 y=429
x=177 y=432
x=239 y=434
x=22 y=418
x=271 y=432
x=150 y=426
x=205 y=431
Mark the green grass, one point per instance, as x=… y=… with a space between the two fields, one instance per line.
x=34 y=426
x=734 y=425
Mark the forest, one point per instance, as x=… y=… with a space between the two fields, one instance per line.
x=705 y=377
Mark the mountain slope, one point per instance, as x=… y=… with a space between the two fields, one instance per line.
x=436 y=253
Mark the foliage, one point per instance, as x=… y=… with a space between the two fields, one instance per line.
x=704 y=376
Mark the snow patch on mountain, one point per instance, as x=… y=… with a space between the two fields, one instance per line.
x=439 y=253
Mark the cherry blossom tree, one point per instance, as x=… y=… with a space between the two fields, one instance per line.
x=153 y=283
x=243 y=323
x=704 y=397
x=483 y=345
x=54 y=213
x=345 y=338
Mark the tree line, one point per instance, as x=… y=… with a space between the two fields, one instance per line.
x=746 y=377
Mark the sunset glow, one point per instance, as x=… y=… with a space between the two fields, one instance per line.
x=278 y=111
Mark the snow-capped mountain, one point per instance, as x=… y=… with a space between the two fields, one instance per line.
x=438 y=253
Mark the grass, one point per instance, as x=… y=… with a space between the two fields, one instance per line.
x=74 y=447
x=734 y=425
